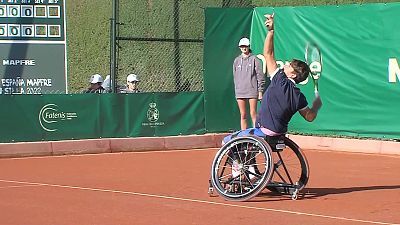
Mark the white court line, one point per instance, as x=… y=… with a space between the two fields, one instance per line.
x=200 y=201
x=19 y=186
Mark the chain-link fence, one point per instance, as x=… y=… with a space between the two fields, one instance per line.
x=161 y=41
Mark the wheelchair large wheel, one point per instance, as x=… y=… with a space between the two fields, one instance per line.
x=291 y=172
x=242 y=168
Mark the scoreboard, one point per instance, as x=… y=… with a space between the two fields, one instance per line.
x=32 y=47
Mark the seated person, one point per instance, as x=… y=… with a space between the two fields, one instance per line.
x=95 y=84
x=107 y=84
x=132 y=82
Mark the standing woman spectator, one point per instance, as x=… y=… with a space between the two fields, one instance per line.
x=249 y=82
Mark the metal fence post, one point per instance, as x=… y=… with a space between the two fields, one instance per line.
x=113 y=46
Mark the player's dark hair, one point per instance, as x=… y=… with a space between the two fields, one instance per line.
x=301 y=69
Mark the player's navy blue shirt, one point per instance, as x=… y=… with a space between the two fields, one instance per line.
x=279 y=103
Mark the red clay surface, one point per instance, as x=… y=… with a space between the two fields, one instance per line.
x=171 y=188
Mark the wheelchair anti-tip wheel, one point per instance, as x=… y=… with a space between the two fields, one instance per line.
x=242 y=168
x=291 y=172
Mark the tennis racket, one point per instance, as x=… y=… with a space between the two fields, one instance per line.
x=313 y=58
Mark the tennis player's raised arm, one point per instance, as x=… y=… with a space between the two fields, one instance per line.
x=269 y=45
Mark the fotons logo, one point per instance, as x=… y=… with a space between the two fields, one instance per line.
x=50 y=116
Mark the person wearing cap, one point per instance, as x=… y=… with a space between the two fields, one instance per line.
x=249 y=81
x=132 y=82
x=95 y=84
x=107 y=84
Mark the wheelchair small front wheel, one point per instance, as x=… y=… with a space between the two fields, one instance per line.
x=242 y=168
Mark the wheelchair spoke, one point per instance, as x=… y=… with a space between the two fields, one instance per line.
x=254 y=174
x=257 y=164
x=226 y=176
x=239 y=154
x=255 y=156
x=280 y=176
x=250 y=180
x=229 y=181
x=224 y=167
x=229 y=157
x=240 y=184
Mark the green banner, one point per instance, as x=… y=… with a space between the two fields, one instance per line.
x=358 y=88
x=223 y=30
x=360 y=45
x=67 y=117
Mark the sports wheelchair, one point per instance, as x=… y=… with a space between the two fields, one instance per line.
x=246 y=165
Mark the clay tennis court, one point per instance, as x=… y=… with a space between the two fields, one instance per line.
x=170 y=187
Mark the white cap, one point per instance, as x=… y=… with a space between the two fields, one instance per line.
x=131 y=78
x=96 y=79
x=244 y=42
